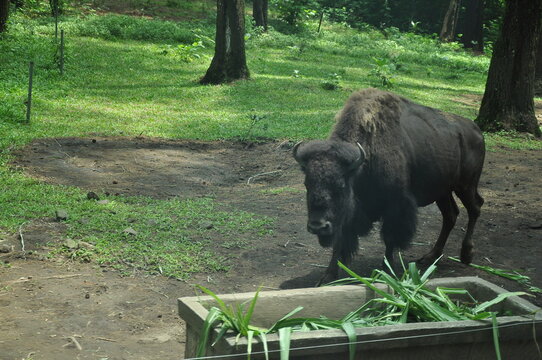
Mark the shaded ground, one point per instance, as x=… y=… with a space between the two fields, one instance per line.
x=46 y=304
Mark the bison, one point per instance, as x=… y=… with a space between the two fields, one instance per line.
x=385 y=157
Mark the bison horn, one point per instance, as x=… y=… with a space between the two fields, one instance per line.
x=295 y=148
x=361 y=159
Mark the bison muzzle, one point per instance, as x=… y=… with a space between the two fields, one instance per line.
x=385 y=157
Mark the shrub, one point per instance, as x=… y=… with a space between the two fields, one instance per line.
x=133 y=28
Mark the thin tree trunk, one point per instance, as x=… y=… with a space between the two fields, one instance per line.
x=229 y=62
x=4 y=10
x=508 y=99
x=538 y=68
x=449 y=24
x=259 y=12
x=473 y=36
x=265 y=11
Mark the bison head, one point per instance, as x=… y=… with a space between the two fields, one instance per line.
x=330 y=168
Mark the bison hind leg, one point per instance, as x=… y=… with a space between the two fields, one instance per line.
x=473 y=202
x=399 y=225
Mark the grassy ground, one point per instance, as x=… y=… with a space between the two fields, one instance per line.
x=136 y=76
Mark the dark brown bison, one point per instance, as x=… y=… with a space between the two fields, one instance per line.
x=386 y=157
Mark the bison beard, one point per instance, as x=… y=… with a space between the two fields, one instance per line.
x=386 y=157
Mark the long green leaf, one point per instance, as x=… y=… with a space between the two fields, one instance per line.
x=263 y=337
x=388 y=265
x=221 y=333
x=279 y=323
x=496 y=336
x=404 y=314
x=212 y=316
x=367 y=283
x=483 y=306
x=250 y=335
x=430 y=270
x=352 y=338
x=250 y=310
x=284 y=341
x=218 y=300
x=414 y=273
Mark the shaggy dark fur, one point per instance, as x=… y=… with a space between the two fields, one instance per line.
x=412 y=156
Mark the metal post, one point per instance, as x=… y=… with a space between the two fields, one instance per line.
x=62 y=52
x=320 y=22
x=56 y=18
x=29 y=100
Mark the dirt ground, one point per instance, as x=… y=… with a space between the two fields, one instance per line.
x=60 y=309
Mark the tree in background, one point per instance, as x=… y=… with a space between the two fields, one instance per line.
x=473 y=25
x=229 y=62
x=538 y=68
x=447 y=33
x=4 y=11
x=56 y=6
x=508 y=102
x=259 y=12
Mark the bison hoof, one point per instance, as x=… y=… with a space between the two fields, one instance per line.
x=327 y=278
x=427 y=259
x=466 y=256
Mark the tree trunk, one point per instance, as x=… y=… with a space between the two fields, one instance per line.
x=259 y=12
x=449 y=24
x=538 y=68
x=473 y=24
x=4 y=10
x=508 y=99
x=229 y=62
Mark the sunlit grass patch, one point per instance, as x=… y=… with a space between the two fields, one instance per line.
x=171 y=237
x=281 y=190
x=511 y=140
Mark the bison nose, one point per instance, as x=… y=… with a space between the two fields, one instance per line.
x=319 y=227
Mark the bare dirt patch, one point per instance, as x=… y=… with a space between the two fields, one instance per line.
x=46 y=304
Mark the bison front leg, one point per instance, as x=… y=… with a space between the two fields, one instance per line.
x=398 y=226
x=332 y=271
x=344 y=249
x=449 y=211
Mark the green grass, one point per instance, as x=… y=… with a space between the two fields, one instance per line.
x=281 y=190
x=170 y=238
x=136 y=76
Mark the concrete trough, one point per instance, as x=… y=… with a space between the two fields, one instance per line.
x=519 y=334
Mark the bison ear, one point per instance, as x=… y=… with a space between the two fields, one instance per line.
x=360 y=160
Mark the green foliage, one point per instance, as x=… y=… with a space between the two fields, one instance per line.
x=184 y=52
x=256 y=121
x=384 y=71
x=294 y=11
x=507 y=274
x=34 y=7
x=409 y=300
x=418 y=16
x=133 y=28
x=332 y=82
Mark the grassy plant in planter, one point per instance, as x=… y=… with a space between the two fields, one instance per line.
x=406 y=300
